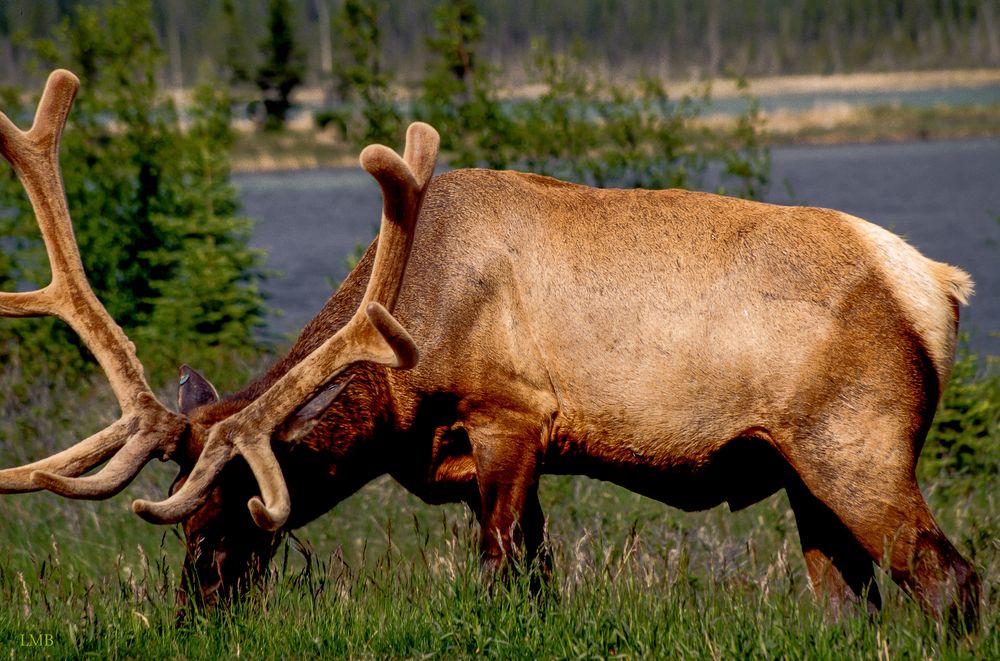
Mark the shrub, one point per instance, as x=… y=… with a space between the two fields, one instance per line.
x=964 y=440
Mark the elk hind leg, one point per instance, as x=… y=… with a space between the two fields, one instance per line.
x=840 y=570
x=882 y=507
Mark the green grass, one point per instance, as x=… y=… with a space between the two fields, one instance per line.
x=384 y=575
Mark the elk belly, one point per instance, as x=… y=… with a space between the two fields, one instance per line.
x=740 y=471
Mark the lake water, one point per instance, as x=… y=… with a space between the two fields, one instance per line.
x=916 y=98
x=943 y=196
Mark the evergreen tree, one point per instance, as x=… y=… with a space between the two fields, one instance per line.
x=152 y=207
x=283 y=65
x=234 y=56
x=459 y=91
x=361 y=77
x=677 y=37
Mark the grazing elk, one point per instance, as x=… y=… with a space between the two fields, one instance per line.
x=694 y=348
x=342 y=357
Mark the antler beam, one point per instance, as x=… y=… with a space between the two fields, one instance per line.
x=146 y=427
x=372 y=334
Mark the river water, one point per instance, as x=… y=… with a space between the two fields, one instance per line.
x=943 y=196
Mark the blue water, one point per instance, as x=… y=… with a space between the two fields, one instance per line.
x=925 y=98
x=943 y=196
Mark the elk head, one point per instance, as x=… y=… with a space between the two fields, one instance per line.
x=204 y=439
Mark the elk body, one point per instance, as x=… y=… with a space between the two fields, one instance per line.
x=694 y=348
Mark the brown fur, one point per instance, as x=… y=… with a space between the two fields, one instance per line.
x=695 y=348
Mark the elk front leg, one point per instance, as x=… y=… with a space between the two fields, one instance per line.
x=508 y=450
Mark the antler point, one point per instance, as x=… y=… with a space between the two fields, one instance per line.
x=63 y=76
x=263 y=517
x=144 y=509
x=41 y=478
x=376 y=157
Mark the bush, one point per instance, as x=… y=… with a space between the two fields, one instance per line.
x=964 y=440
x=324 y=118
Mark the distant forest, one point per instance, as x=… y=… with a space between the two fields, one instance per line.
x=669 y=38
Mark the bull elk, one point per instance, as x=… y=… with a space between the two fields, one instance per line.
x=694 y=348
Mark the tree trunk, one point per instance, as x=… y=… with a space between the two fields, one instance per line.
x=325 y=51
x=174 y=51
x=713 y=40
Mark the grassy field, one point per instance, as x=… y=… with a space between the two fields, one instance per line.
x=385 y=575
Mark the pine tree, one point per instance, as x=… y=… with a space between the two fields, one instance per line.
x=459 y=91
x=361 y=77
x=283 y=65
x=234 y=55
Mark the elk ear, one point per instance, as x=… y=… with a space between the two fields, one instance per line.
x=303 y=421
x=193 y=390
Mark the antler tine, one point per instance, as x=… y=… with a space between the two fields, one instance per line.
x=34 y=155
x=50 y=118
x=72 y=461
x=115 y=476
x=403 y=182
x=372 y=334
x=421 y=151
x=53 y=109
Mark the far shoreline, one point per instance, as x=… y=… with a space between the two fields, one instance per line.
x=302 y=147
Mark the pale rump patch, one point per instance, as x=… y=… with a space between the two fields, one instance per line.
x=928 y=291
